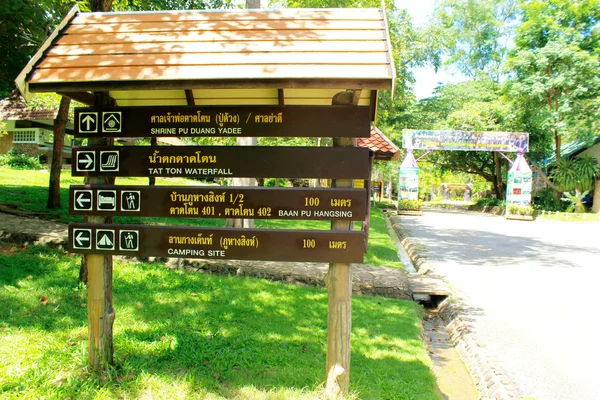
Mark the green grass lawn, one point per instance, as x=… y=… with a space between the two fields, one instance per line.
x=28 y=190
x=180 y=334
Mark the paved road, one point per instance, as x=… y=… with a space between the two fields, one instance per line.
x=530 y=294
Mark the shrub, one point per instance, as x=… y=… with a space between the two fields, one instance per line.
x=411 y=205
x=271 y=182
x=17 y=160
x=514 y=209
x=548 y=199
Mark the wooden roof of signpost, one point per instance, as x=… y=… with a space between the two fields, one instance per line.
x=215 y=57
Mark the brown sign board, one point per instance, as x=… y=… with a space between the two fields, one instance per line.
x=222 y=161
x=457 y=186
x=224 y=121
x=218 y=202
x=376 y=186
x=217 y=243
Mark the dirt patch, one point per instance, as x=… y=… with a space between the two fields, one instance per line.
x=14 y=209
x=10 y=248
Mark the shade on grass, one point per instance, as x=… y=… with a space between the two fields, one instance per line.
x=188 y=335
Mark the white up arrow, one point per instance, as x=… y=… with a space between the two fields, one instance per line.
x=88 y=120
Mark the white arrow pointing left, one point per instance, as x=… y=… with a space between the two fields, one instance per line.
x=81 y=238
x=82 y=199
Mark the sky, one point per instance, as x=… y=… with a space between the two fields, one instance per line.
x=426 y=78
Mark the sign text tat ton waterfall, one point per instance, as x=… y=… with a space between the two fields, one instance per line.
x=222 y=161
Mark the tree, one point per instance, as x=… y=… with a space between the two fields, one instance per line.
x=23 y=28
x=475 y=34
x=555 y=65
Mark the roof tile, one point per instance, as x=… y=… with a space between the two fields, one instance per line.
x=383 y=147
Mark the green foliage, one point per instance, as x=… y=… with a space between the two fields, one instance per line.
x=16 y=160
x=575 y=173
x=157 y=5
x=483 y=202
x=475 y=34
x=514 y=209
x=575 y=201
x=548 y=200
x=410 y=205
x=555 y=64
x=381 y=250
x=22 y=30
x=270 y=182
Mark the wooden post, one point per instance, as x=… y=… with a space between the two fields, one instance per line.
x=367 y=222
x=152 y=179
x=101 y=314
x=339 y=289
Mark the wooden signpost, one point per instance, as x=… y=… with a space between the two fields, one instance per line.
x=184 y=73
x=342 y=204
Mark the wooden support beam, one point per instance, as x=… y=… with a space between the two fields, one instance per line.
x=189 y=96
x=356 y=97
x=86 y=98
x=373 y=105
x=339 y=289
x=281 y=96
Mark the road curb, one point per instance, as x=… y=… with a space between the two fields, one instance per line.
x=490 y=382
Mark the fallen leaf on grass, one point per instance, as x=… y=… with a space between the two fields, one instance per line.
x=44 y=300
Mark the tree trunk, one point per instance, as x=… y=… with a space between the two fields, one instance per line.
x=60 y=123
x=100 y=5
x=557 y=143
x=497 y=177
